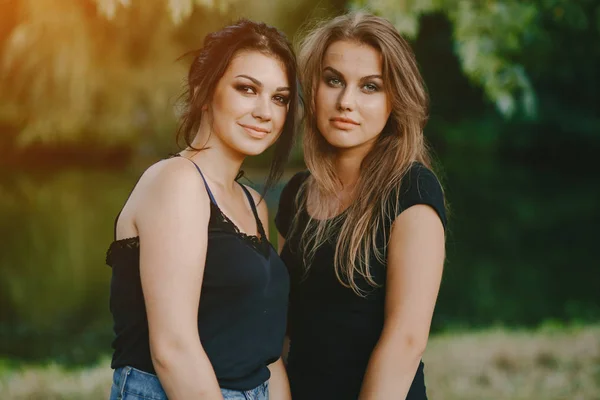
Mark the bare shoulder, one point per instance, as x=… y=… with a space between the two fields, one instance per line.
x=163 y=188
x=172 y=172
x=170 y=182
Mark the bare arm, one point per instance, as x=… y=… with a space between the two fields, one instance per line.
x=279 y=387
x=415 y=262
x=172 y=223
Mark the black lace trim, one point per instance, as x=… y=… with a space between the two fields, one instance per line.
x=131 y=243
x=218 y=222
x=223 y=223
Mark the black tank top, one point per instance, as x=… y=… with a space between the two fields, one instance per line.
x=243 y=302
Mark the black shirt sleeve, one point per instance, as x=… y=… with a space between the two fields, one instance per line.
x=287 y=203
x=421 y=186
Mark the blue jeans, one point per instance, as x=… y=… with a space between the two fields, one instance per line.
x=132 y=384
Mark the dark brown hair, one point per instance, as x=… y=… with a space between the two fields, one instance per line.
x=211 y=62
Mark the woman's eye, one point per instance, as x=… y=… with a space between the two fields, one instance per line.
x=246 y=89
x=334 y=81
x=370 y=87
x=283 y=100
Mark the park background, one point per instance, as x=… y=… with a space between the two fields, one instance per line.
x=88 y=99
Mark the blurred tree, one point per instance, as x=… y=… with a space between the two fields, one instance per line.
x=104 y=72
x=492 y=38
x=80 y=71
x=521 y=183
x=523 y=191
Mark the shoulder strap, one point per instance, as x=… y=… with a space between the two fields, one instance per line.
x=212 y=198
x=253 y=206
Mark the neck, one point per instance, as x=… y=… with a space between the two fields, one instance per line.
x=347 y=166
x=218 y=162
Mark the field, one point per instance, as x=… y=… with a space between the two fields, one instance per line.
x=550 y=364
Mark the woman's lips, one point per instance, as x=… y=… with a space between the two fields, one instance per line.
x=256 y=132
x=343 y=123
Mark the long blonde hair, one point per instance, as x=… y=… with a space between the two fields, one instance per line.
x=399 y=145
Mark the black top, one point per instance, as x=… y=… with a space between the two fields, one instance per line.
x=332 y=330
x=243 y=303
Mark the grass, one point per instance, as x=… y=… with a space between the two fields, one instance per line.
x=493 y=364
x=53 y=382
x=515 y=365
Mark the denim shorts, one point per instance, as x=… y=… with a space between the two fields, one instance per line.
x=132 y=384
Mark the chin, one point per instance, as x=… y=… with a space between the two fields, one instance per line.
x=253 y=149
x=340 y=141
x=251 y=153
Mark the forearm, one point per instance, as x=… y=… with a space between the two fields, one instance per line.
x=279 y=387
x=186 y=373
x=391 y=370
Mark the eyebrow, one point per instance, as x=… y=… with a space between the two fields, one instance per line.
x=259 y=83
x=335 y=71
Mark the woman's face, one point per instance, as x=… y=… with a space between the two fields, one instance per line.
x=351 y=104
x=250 y=103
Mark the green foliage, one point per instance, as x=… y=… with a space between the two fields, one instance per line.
x=179 y=10
x=491 y=38
x=107 y=69
x=102 y=69
x=53 y=281
x=68 y=74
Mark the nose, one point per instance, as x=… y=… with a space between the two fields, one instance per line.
x=262 y=108
x=346 y=100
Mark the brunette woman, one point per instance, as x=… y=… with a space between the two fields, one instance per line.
x=198 y=294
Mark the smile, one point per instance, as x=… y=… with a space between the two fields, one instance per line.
x=255 y=131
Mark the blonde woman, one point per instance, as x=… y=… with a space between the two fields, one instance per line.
x=364 y=227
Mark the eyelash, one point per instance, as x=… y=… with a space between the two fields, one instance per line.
x=373 y=87
x=331 y=79
x=244 y=89
x=283 y=100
